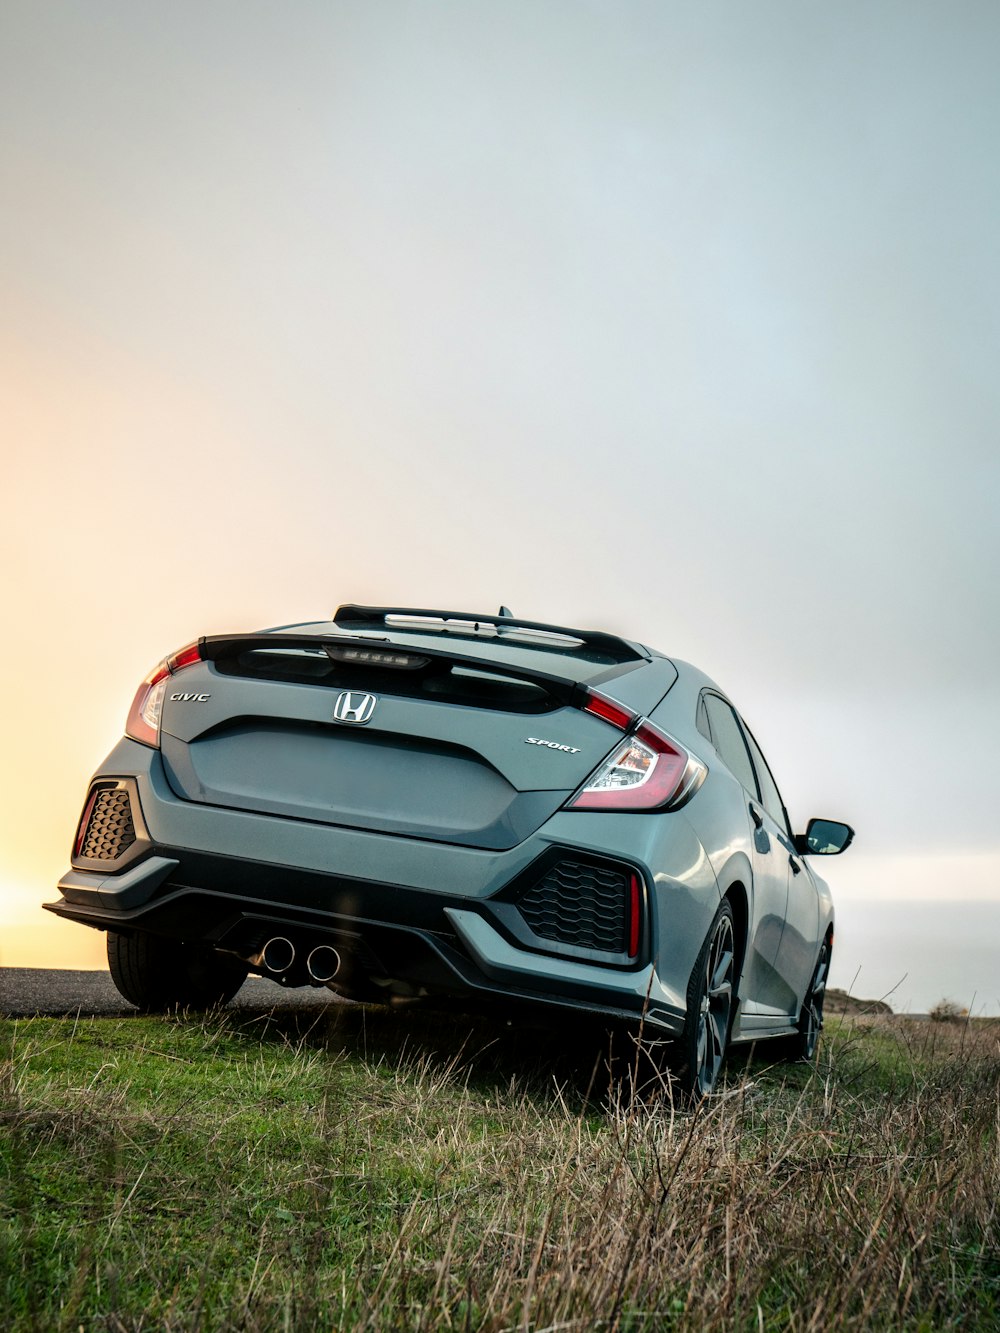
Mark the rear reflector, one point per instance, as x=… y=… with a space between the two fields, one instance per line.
x=635 y=907
x=84 y=823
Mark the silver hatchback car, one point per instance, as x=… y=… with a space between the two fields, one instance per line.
x=405 y=802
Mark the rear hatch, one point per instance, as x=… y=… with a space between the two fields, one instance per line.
x=399 y=722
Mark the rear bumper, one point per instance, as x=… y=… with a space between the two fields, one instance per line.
x=436 y=947
x=437 y=918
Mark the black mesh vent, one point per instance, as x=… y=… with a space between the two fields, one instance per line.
x=583 y=905
x=110 y=831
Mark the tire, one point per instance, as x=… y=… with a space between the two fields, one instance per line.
x=709 y=1009
x=157 y=974
x=803 y=1045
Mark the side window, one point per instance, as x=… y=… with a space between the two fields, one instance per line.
x=769 y=794
x=728 y=740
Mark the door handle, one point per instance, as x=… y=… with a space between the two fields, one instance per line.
x=796 y=868
x=756 y=816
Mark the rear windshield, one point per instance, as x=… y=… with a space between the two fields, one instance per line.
x=472 y=686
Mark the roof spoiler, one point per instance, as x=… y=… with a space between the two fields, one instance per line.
x=504 y=626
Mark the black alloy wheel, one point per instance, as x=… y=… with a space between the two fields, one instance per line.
x=803 y=1044
x=710 y=1008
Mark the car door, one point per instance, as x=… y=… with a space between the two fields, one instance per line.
x=799 y=943
x=763 y=991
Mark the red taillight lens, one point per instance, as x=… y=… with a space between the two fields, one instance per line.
x=184 y=657
x=647 y=771
x=143 y=723
x=611 y=712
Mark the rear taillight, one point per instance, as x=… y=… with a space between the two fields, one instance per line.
x=648 y=770
x=184 y=657
x=143 y=723
x=611 y=712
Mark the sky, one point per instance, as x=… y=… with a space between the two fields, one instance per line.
x=675 y=320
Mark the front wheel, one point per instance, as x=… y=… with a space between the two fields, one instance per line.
x=803 y=1045
x=709 y=1009
x=157 y=974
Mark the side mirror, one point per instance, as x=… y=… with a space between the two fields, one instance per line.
x=824 y=837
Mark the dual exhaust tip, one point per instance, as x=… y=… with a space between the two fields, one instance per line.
x=278 y=957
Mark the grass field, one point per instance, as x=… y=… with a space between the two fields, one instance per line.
x=360 y=1168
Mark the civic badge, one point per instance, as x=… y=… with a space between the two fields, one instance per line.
x=355 y=707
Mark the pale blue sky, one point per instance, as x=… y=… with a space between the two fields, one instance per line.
x=675 y=319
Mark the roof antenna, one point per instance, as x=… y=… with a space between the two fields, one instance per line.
x=506 y=613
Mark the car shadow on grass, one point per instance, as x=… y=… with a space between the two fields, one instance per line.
x=588 y=1064
x=584 y=1061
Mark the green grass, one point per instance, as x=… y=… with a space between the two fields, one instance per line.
x=360 y=1168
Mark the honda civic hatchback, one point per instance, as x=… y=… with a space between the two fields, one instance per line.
x=470 y=809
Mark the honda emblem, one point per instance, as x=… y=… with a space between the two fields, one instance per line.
x=354 y=707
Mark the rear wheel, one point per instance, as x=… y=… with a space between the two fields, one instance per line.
x=709 y=1009
x=803 y=1045
x=157 y=974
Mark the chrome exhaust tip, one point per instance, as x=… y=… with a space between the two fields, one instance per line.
x=323 y=964
x=277 y=955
